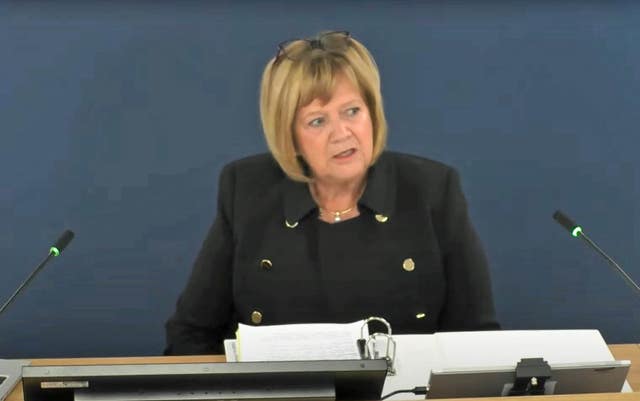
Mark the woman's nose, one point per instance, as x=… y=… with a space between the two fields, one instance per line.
x=340 y=130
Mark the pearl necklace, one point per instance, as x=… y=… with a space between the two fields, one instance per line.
x=337 y=216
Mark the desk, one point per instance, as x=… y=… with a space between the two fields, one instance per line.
x=619 y=351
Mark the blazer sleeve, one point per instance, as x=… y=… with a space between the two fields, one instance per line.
x=469 y=301
x=204 y=309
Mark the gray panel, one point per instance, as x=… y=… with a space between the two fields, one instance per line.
x=575 y=378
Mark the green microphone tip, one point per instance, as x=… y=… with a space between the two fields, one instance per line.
x=576 y=231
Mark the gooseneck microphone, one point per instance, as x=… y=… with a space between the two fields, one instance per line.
x=59 y=246
x=577 y=232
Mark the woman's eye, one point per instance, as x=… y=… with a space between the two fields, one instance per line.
x=353 y=111
x=316 y=122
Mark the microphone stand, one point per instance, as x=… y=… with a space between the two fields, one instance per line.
x=27 y=281
x=611 y=262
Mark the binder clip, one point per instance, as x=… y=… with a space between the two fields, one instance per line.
x=369 y=348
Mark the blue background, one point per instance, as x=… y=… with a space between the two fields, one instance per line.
x=116 y=117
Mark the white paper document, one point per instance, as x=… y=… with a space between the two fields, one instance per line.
x=298 y=342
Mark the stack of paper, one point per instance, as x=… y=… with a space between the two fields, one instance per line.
x=296 y=342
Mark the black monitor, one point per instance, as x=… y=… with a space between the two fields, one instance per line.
x=570 y=378
x=317 y=380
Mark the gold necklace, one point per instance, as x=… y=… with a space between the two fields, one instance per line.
x=337 y=216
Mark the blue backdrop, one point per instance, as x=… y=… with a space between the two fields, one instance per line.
x=116 y=117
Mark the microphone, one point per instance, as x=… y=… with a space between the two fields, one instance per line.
x=577 y=231
x=57 y=248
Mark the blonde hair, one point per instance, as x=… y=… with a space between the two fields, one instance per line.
x=289 y=84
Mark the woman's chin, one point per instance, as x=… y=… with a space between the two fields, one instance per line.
x=352 y=174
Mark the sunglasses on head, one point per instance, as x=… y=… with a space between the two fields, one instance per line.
x=332 y=42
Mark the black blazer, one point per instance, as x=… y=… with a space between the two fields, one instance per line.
x=412 y=256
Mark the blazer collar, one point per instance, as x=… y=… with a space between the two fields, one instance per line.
x=378 y=196
x=298 y=202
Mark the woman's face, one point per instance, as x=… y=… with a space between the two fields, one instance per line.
x=336 y=138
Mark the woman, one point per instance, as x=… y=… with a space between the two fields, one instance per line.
x=329 y=227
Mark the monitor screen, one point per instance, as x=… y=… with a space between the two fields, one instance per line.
x=342 y=380
x=573 y=378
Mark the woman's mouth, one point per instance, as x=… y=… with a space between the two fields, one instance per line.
x=345 y=154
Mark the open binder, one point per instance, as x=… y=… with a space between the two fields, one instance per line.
x=313 y=341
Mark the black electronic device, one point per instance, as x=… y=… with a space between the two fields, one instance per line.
x=282 y=380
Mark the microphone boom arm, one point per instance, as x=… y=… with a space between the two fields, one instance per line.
x=26 y=282
x=611 y=262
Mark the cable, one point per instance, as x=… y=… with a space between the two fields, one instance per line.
x=416 y=390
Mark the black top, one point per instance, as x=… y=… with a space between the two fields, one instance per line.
x=412 y=256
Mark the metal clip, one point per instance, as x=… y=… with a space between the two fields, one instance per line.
x=370 y=349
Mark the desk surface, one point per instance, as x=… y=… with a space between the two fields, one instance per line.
x=619 y=351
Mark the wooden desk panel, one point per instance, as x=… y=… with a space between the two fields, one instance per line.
x=569 y=397
x=619 y=351
x=632 y=353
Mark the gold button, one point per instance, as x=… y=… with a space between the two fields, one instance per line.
x=381 y=218
x=408 y=264
x=256 y=317
x=266 y=264
x=291 y=225
x=421 y=315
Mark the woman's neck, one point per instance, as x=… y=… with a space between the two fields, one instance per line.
x=335 y=197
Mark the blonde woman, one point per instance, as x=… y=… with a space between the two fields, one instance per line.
x=330 y=227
